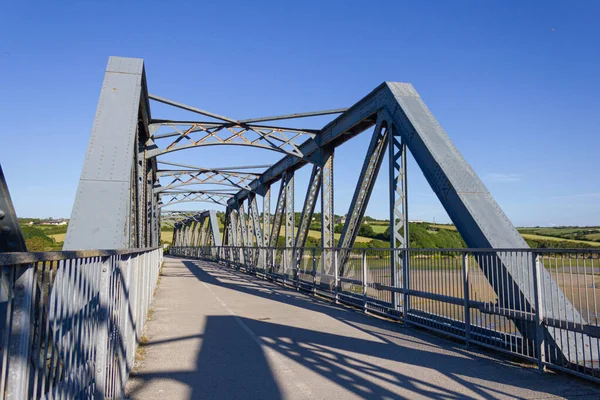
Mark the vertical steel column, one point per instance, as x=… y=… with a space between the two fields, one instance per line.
x=243 y=230
x=289 y=221
x=202 y=232
x=253 y=210
x=214 y=227
x=266 y=220
x=175 y=235
x=259 y=256
x=327 y=217
x=235 y=235
x=140 y=206
x=397 y=205
x=188 y=233
x=250 y=223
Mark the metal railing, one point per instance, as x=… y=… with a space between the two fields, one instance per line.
x=70 y=322
x=548 y=310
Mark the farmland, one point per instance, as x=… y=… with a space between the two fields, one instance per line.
x=372 y=235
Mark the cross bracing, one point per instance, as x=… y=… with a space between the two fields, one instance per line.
x=120 y=197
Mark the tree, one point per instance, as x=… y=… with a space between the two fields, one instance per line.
x=366 y=230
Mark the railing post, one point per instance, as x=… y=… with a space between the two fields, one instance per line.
x=297 y=262
x=126 y=338
x=272 y=266
x=335 y=274
x=17 y=384
x=314 y=270
x=539 y=312
x=405 y=282
x=364 y=278
x=467 y=298
x=102 y=332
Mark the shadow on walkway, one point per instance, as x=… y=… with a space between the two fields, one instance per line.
x=230 y=364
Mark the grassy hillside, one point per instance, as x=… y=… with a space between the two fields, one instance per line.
x=375 y=234
x=547 y=237
x=44 y=237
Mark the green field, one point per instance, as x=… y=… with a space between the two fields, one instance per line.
x=379 y=228
x=551 y=234
x=167 y=236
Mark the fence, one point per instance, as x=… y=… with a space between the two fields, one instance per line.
x=539 y=304
x=70 y=322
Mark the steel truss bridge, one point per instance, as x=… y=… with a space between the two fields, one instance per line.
x=124 y=197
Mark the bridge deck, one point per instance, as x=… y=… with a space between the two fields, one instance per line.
x=220 y=334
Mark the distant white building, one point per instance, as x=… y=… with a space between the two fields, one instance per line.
x=62 y=221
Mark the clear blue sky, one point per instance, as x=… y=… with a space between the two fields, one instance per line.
x=514 y=83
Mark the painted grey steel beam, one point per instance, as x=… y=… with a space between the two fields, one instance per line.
x=11 y=237
x=355 y=120
x=190 y=108
x=293 y=116
x=266 y=221
x=267 y=138
x=253 y=212
x=197 y=126
x=397 y=210
x=308 y=208
x=214 y=227
x=19 y=328
x=327 y=216
x=101 y=216
x=279 y=211
x=228 y=169
x=290 y=218
x=362 y=193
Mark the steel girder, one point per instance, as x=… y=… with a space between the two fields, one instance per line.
x=279 y=211
x=193 y=196
x=398 y=213
x=11 y=237
x=200 y=176
x=255 y=217
x=266 y=220
x=112 y=201
x=187 y=135
x=290 y=219
x=327 y=216
x=15 y=330
x=312 y=192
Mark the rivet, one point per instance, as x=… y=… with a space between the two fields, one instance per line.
x=2 y=214
x=6 y=229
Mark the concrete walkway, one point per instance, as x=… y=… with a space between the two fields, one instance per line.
x=220 y=334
